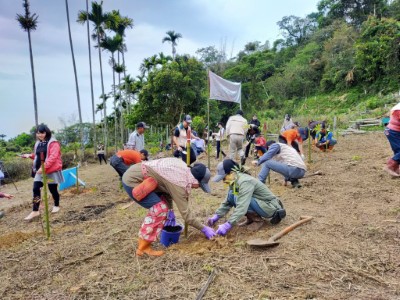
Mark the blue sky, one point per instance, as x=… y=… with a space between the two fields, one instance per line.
x=202 y=23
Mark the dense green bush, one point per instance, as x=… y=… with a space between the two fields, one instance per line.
x=18 y=169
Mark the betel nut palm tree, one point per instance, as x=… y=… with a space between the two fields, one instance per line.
x=29 y=23
x=118 y=25
x=112 y=44
x=91 y=80
x=172 y=37
x=99 y=19
x=76 y=81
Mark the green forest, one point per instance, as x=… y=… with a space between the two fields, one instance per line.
x=341 y=60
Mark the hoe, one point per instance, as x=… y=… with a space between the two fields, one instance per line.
x=272 y=241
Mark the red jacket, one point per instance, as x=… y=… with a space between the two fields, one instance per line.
x=53 y=162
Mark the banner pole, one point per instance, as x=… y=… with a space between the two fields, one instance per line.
x=208 y=120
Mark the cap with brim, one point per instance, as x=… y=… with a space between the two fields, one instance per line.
x=142 y=125
x=204 y=182
x=188 y=119
x=203 y=175
x=223 y=169
x=145 y=153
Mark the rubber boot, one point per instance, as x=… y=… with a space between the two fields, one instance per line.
x=392 y=167
x=144 y=248
x=251 y=218
x=243 y=161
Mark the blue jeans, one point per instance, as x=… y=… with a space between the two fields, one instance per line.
x=147 y=202
x=289 y=172
x=118 y=164
x=394 y=140
x=253 y=207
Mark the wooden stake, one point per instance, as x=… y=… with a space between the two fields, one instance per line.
x=309 y=145
x=46 y=202
x=188 y=134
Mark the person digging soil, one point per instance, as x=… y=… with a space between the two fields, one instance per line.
x=248 y=195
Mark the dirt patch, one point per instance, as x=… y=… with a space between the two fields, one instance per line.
x=88 y=213
x=350 y=250
x=14 y=238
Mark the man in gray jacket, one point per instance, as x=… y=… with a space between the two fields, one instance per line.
x=235 y=130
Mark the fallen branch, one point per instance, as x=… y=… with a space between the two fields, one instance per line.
x=205 y=287
x=85 y=258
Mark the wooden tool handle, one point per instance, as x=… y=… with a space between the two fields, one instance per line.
x=277 y=236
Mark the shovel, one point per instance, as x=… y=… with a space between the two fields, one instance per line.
x=272 y=241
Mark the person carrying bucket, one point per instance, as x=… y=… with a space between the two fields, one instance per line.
x=154 y=185
x=249 y=197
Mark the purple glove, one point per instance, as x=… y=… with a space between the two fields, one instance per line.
x=170 y=219
x=208 y=232
x=211 y=221
x=224 y=228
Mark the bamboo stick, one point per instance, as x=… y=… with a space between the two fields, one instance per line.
x=46 y=202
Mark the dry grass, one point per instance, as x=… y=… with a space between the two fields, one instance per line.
x=349 y=251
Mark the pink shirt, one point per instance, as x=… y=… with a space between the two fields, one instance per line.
x=394 y=122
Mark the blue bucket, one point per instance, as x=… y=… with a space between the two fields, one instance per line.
x=170 y=235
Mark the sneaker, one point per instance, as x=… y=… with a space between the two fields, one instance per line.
x=32 y=216
x=278 y=216
x=296 y=183
x=55 y=209
x=1 y=214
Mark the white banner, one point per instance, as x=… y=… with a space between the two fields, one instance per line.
x=224 y=90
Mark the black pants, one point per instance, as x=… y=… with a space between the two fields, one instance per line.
x=246 y=154
x=219 y=149
x=102 y=157
x=53 y=188
x=183 y=156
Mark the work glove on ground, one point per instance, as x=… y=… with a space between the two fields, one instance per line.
x=211 y=221
x=170 y=219
x=208 y=232
x=224 y=228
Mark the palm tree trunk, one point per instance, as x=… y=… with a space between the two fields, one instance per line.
x=33 y=80
x=115 y=105
x=121 y=118
x=76 y=83
x=103 y=95
x=126 y=88
x=91 y=80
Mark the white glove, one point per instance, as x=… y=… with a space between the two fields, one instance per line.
x=302 y=156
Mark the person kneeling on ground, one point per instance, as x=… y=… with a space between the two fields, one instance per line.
x=174 y=181
x=122 y=160
x=324 y=139
x=284 y=160
x=249 y=197
x=260 y=145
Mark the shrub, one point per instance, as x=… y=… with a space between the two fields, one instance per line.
x=18 y=169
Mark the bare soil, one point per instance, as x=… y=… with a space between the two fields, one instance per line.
x=350 y=250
